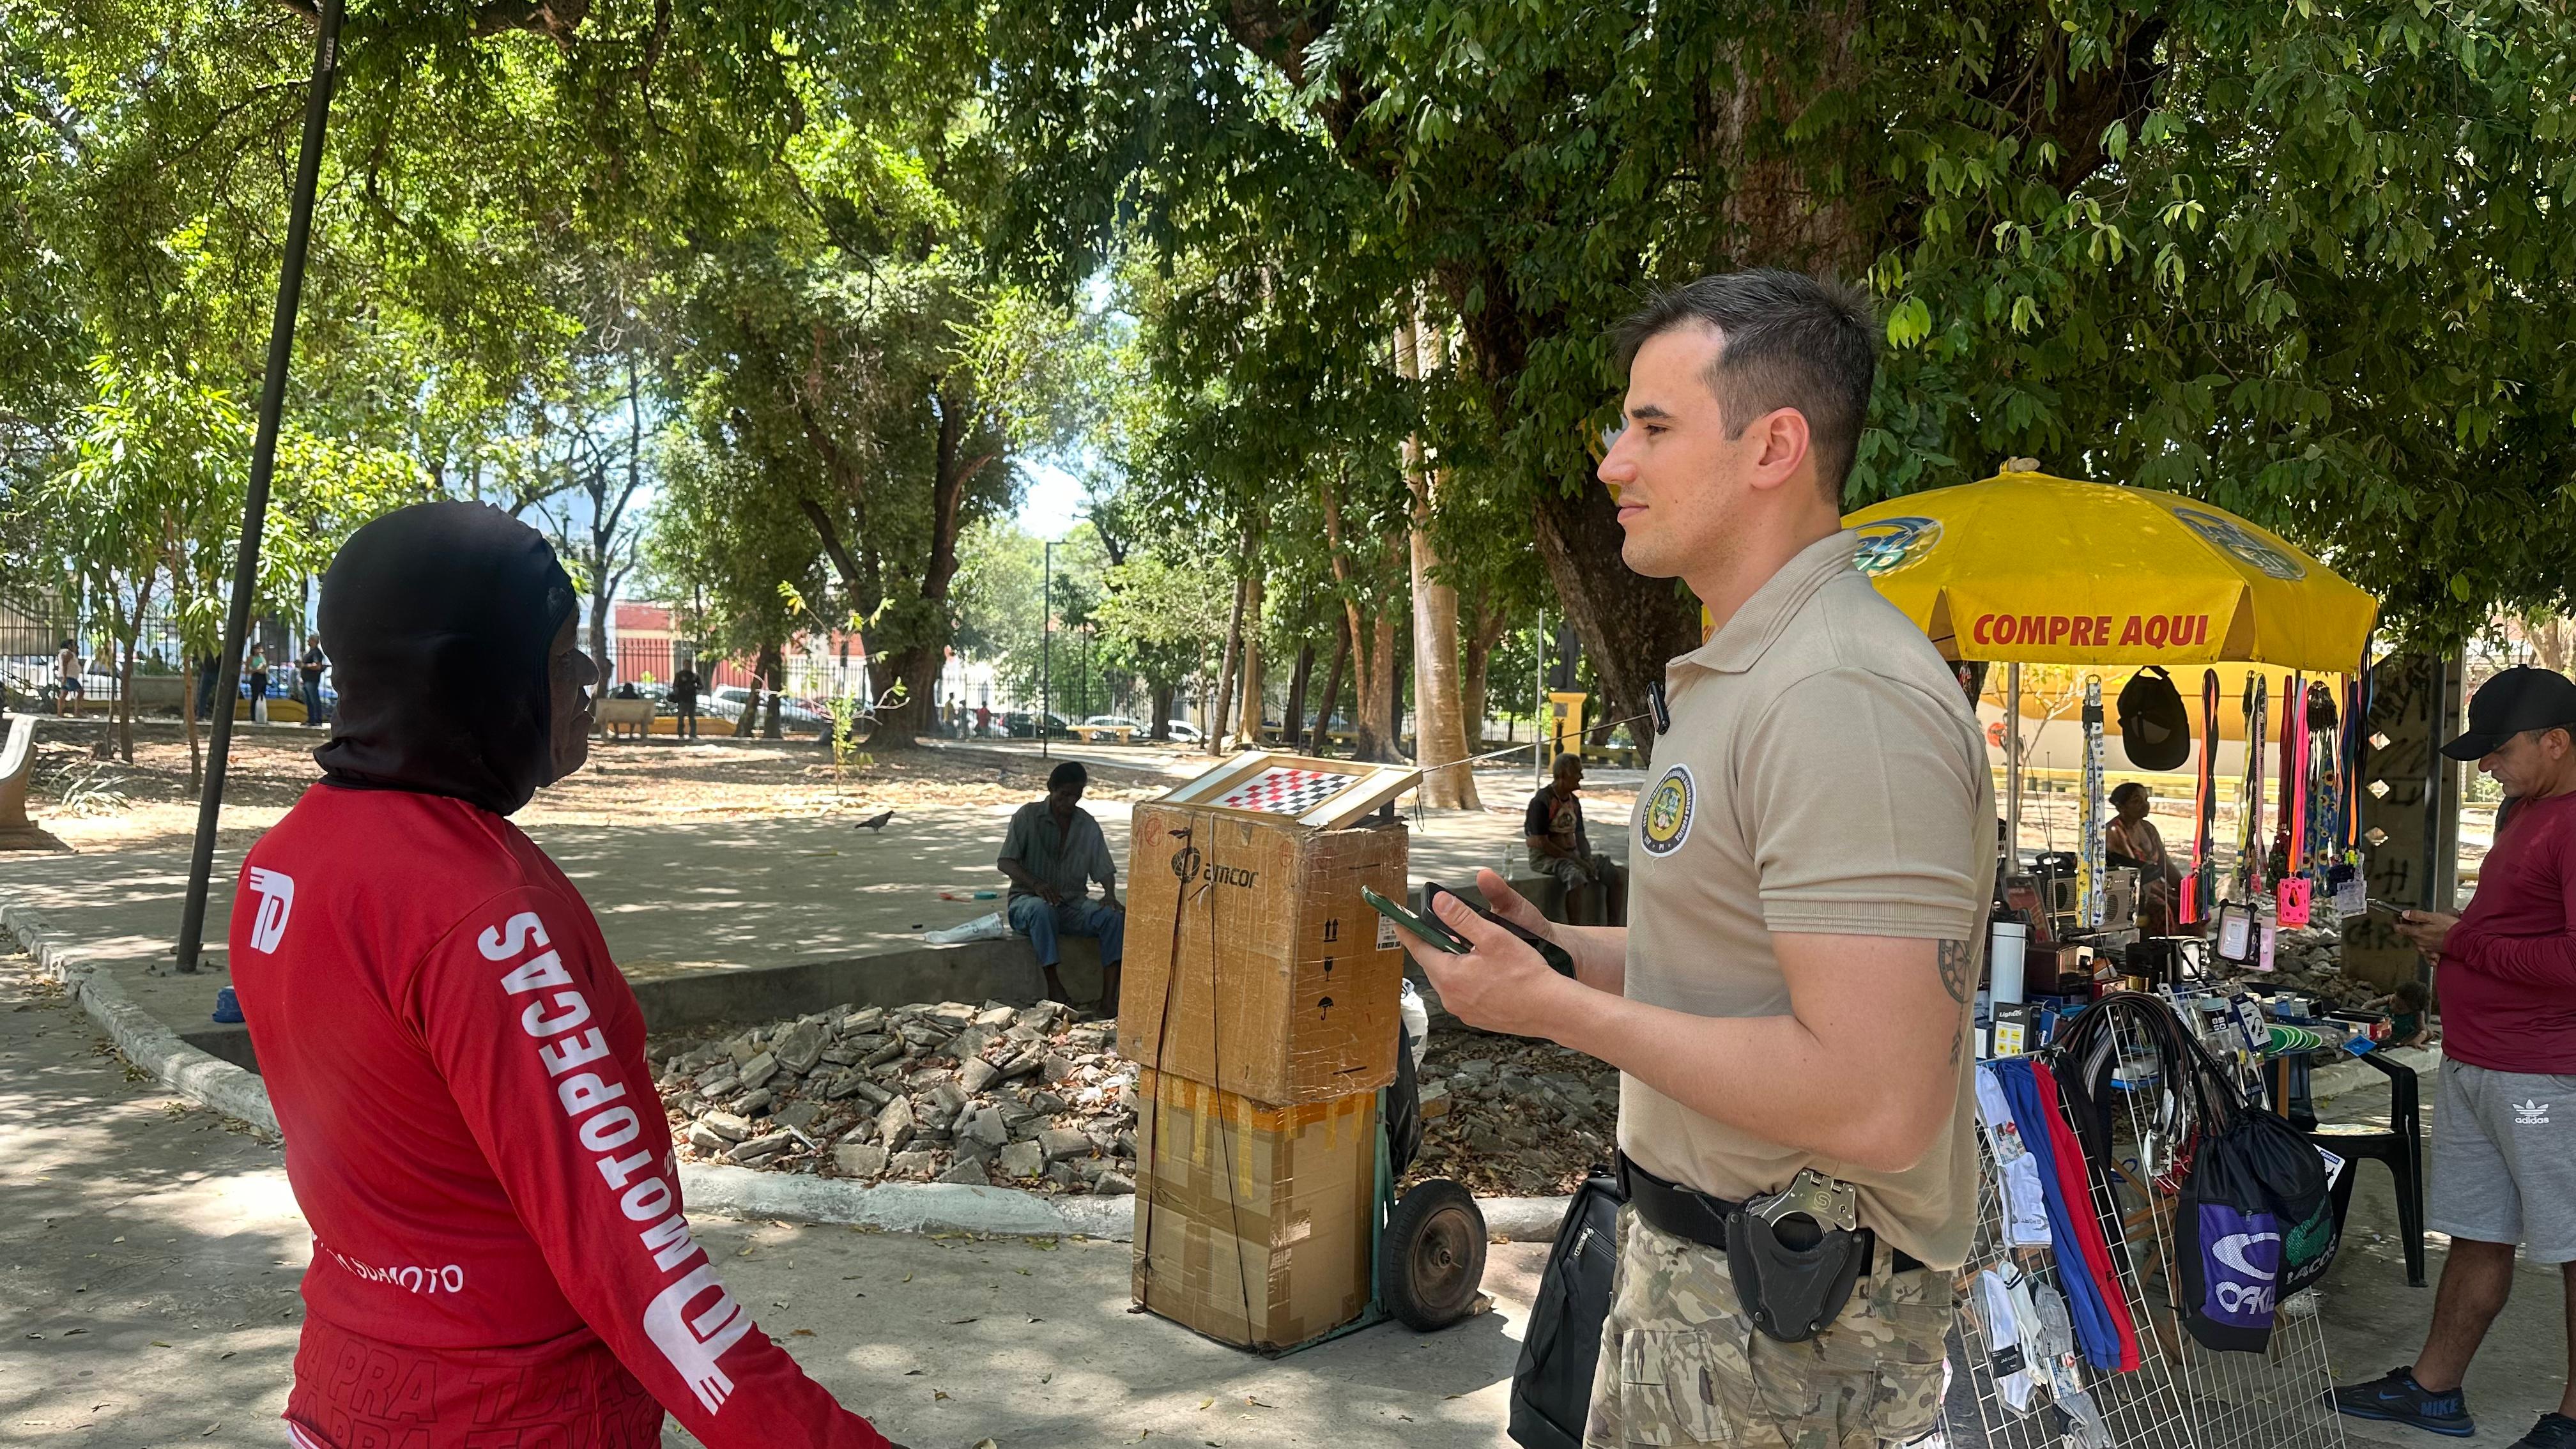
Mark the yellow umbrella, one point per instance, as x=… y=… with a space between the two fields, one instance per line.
x=2029 y=569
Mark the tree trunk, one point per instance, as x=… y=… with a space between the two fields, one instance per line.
x=1376 y=738
x=1483 y=630
x=1631 y=625
x=1215 y=735
x=1248 y=724
x=1162 y=712
x=188 y=713
x=773 y=675
x=1441 y=732
x=599 y=631
x=1292 y=719
x=1332 y=687
x=125 y=681
x=1399 y=671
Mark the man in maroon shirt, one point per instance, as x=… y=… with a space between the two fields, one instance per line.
x=2504 y=1130
x=500 y=1256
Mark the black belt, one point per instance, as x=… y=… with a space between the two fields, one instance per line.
x=1688 y=1213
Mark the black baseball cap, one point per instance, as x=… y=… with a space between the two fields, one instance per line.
x=2520 y=698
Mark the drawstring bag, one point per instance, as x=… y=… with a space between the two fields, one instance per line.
x=2252 y=1221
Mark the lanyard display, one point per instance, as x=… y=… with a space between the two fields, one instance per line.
x=2200 y=892
x=2248 y=874
x=2294 y=776
x=2089 y=861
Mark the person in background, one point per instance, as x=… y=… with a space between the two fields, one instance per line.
x=2410 y=1016
x=67 y=679
x=952 y=719
x=310 y=667
x=1052 y=853
x=1560 y=849
x=2132 y=840
x=500 y=1251
x=684 y=703
x=983 y=719
x=2503 y=1170
x=255 y=669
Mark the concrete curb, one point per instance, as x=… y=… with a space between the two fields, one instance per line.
x=740 y=1192
x=145 y=1040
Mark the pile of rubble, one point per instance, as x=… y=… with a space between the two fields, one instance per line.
x=1509 y=1116
x=947 y=1093
x=2310 y=960
x=1030 y=1097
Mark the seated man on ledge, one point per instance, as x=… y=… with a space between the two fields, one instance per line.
x=1561 y=849
x=1052 y=854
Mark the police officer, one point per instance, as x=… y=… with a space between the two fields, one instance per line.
x=1789 y=1007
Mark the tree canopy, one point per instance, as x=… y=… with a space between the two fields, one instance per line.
x=1314 y=294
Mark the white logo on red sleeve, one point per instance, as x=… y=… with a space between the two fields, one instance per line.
x=694 y=1344
x=276 y=894
x=555 y=1017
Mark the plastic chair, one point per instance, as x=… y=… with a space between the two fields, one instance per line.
x=2400 y=1146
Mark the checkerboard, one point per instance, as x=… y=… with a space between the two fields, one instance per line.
x=1281 y=790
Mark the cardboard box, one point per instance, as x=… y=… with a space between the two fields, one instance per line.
x=1253 y=1222
x=1253 y=963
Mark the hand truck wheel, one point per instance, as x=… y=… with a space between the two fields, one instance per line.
x=1431 y=1257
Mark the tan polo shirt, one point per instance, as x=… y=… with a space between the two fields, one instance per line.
x=1823 y=774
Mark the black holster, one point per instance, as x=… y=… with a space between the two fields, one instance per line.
x=1794 y=1276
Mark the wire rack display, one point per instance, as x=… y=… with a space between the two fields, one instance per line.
x=2181 y=1396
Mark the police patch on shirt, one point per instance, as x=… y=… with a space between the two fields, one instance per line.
x=1664 y=821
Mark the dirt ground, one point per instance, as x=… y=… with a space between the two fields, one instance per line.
x=106 y=804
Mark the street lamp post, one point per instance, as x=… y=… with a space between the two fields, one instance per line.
x=263 y=463
x=1046 y=642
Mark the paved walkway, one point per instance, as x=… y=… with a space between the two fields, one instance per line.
x=149 y=1263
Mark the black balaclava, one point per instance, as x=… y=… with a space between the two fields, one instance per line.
x=438 y=618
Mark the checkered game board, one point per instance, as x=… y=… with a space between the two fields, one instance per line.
x=1281 y=790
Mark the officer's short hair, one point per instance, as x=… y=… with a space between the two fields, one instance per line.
x=1068 y=773
x=1791 y=341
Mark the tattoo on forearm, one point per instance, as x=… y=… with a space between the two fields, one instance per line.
x=1958 y=970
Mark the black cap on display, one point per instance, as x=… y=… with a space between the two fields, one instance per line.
x=2154 y=728
x=2521 y=698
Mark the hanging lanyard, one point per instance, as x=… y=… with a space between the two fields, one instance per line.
x=2197 y=892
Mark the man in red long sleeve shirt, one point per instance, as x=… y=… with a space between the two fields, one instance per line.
x=500 y=1256
x=2504 y=1128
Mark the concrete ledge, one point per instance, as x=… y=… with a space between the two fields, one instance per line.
x=1002 y=970
x=143 y=1038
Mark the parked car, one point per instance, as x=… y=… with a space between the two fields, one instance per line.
x=727 y=702
x=1114 y=727
x=1021 y=724
x=1181 y=732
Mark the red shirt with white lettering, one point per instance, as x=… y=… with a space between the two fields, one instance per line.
x=2508 y=971
x=499 y=1253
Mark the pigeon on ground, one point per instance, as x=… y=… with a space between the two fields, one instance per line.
x=876 y=822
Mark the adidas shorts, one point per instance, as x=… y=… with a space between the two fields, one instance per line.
x=2504 y=1160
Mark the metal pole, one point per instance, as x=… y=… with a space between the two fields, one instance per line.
x=263 y=463
x=1538 y=744
x=2012 y=766
x=1046 y=642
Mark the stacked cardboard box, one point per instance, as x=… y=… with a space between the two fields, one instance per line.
x=1260 y=994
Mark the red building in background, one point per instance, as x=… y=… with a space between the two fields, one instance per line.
x=645 y=646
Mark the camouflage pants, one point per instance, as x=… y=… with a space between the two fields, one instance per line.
x=1681 y=1362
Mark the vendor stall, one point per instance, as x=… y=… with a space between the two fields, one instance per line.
x=2147 y=1232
